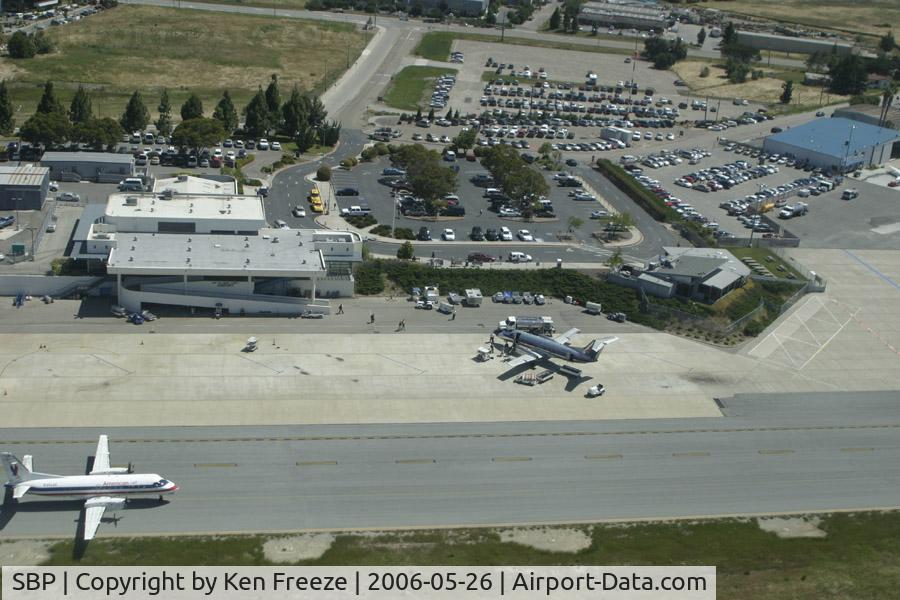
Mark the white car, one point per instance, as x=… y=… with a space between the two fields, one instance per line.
x=54 y=187
x=448 y=235
x=263 y=144
x=217 y=152
x=299 y=211
x=276 y=145
x=599 y=214
x=525 y=235
x=505 y=234
x=670 y=136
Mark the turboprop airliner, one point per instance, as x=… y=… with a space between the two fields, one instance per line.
x=105 y=487
x=532 y=348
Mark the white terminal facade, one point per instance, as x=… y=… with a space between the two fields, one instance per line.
x=216 y=251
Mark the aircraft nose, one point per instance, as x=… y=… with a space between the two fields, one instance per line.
x=173 y=488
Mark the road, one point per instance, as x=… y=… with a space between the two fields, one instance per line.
x=773 y=454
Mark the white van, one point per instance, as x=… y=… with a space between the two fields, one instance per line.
x=518 y=257
x=450 y=156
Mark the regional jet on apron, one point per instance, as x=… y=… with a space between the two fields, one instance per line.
x=104 y=487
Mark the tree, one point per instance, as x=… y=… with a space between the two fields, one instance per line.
x=295 y=114
x=663 y=61
x=431 y=115
x=736 y=70
x=48 y=103
x=98 y=133
x=192 y=108
x=136 y=115
x=553 y=25
x=729 y=35
x=316 y=110
x=575 y=223
x=306 y=138
x=197 y=133
x=7 y=123
x=273 y=103
x=615 y=260
x=465 y=139
x=427 y=176
x=323 y=173
x=48 y=129
x=42 y=43
x=701 y=36
x=257 y=121
x=226 y=114
x=328 y=133
x=787 y=91
x=405 y=251
x=164 y=122
x=887 y=42
x=20 y=45
x=848 y=75
x=80 y=109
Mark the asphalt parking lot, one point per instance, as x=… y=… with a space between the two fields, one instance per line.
x=868 y=222
x=377 y=196
x=568 y=66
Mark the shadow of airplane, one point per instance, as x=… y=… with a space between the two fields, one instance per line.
x=572 y=381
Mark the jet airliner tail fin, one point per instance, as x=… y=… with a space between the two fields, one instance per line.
x=594 y=349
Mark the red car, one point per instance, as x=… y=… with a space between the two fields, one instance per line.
x=480 y=257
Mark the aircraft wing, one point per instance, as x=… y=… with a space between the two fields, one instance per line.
x=567 y=336
x=101 y=457
x=526 y=356
x=93 y=513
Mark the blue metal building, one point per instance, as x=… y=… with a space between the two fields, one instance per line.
x=836 y=144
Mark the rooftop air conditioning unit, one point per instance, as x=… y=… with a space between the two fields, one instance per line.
x=182 y=178
x=131 y=201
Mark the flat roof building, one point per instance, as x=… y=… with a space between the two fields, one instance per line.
x=185 y=213
x=639 y=16
x=201 y=185
x=835 y=144
x=24 y=187
x=787 y=43
x=102 y=167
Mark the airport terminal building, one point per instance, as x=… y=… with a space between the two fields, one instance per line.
x=214 y=252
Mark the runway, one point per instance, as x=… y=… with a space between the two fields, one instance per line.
x=769 y=454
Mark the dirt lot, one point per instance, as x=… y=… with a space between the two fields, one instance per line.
x=764 y=91
x=872 y=16
x=148 y=48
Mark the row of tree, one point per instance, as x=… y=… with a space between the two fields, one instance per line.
x=567 y=20
x=849 y=72
x=301 y=117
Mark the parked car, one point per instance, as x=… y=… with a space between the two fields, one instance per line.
x=424 y=234
x=263 y=144
x=68 y=197
x=525 y=235
x=448 y=235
